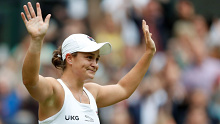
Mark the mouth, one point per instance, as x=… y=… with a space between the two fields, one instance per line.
x=90 y=70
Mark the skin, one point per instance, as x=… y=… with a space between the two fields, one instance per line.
x=47 y=90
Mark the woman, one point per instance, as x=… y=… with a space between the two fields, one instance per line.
x=68 y=99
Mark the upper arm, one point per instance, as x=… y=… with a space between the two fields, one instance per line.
x=107 y=95
x=43 y=89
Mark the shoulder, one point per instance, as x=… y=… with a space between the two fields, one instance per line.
x=50 y=79
x=54 y=82
x=93 y=88
x=58 y=91
x=57 y=87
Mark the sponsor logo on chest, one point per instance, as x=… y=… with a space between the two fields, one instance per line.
x=89 y=119
x=71 y=117
x=76 y=118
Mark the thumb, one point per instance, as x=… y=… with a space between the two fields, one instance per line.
x=47 y=19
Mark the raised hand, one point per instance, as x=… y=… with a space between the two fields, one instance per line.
x=150 y=45
x=35 y=25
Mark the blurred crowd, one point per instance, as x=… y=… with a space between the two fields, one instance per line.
x=182 y=85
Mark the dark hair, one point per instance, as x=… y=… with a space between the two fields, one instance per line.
x=57 y=59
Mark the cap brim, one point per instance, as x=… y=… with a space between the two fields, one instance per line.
x=104 y=48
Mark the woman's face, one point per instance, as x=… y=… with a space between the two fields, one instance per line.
x=85 y=64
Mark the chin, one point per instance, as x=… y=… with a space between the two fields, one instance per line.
x=89 y=80
x=89 y=77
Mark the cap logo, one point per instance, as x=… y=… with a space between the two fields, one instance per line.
x=90 y=38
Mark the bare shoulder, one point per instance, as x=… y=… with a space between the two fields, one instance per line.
x=54 y=82
x=58 y=92
x=51 y=80
x=54 y=103
x=93 y=88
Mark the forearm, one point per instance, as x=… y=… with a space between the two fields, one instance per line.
x=37 y=29
x=133 y=78
x=31 y=65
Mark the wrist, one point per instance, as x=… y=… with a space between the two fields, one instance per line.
x=150 y=51
x=35 y=46
x=37 y=38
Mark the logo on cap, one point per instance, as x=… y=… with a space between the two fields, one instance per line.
x=90 y=38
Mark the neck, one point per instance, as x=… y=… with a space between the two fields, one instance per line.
x=75 y=86
x=72 y=82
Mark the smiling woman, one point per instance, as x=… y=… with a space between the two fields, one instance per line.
x=68 y=100
x=78 y=43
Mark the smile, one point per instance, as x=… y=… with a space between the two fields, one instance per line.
x=91 y=70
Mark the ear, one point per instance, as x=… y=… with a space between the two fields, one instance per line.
x=69 y=58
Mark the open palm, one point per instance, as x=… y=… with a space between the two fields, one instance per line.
x=35 y=25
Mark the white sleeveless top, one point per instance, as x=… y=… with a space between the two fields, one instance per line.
x=74 y=112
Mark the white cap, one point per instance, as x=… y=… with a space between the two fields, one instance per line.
x=83 y=43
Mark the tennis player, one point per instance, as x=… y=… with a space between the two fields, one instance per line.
x=68 y=100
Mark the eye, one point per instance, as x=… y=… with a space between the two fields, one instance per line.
x=97 y=59
x=89 y=57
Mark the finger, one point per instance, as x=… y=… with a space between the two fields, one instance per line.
x=146 y=32
x=23 y=18
x=31 y=10
x=27 y=12
x=143 y=24
x=38 y=9
x=145 y=28
x=47 y=19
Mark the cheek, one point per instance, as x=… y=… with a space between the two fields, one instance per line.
x=82 y=65
x=97 y=67
x=77 y=67
x=78 y=71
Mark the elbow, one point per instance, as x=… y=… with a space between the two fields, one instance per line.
x=26 y=82
x=29 y=81
x=128 y=95
x=125 y=91
x=29 y=78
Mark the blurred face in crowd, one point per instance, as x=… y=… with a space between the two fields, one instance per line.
x=197 y=116
x=185 y=9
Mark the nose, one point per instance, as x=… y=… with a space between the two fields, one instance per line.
x=95 y=64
